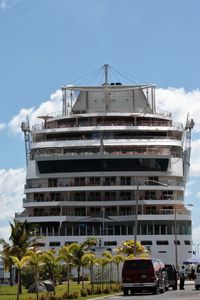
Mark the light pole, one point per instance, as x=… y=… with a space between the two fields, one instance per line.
x=136 y=211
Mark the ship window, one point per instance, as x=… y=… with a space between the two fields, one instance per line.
x=40 y=244
x=125 y=180
x=54 y=196
x=162 y=251
x=52 y=182
x=69 y=242
x=153 y=181
x=177 y=243
x=93 y=165
x=163 y=242
x=38 y=197
x=110 y=243
x=144 y=229
x=187 y=242
x=94 y=180
x=54 y=244
x=145 y=243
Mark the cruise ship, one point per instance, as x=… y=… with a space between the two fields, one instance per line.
x=110 y=166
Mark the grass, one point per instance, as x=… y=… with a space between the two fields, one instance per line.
x=9 y=293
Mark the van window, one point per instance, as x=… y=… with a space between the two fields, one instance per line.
x=138 y=264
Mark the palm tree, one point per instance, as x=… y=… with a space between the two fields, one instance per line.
x=109 y=256
x=102 y=262
x=66 y=255
x=50 y=259
x=21 y=240
x=20 y=264
x=7 y=262
x=117 y=259
x=127 y=248
x=89 y=261
x=79 y=251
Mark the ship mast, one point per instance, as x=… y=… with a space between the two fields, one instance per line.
x=107 y=93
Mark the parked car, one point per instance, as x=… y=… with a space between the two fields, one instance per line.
x=140 y=274
x=197 y=277
x=172 y=276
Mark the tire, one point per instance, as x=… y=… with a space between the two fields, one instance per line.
x=197 y=287
x=125 y=291
x=155 y=290
x=175 y=287
x=132 y=292
x=162 y=290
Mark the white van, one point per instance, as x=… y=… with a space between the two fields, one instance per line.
x=197 y=277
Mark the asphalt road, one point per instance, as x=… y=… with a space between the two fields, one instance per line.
x=189 y=293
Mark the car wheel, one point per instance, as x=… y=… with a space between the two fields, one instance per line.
x=175 y=287
x=197 y=287
x=125 y=292
x=155 y=290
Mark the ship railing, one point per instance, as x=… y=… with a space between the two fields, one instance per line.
x=42 y=126
x=107 y=214
x=100 y=199
x=105 y=182
x=111 y=137
x=116 y=153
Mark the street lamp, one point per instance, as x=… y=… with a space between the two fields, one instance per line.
x=136 y=211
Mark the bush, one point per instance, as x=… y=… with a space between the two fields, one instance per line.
x=84 y=293
x=89 y=291
x=73 y=295
x=98 y=291
x=107 y=290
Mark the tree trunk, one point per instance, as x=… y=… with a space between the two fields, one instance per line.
x=78 y=279
x=11 y=276
x=19 y=288
x=68 y=278
x=83 y=275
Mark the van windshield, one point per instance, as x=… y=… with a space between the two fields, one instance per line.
x=138 y=264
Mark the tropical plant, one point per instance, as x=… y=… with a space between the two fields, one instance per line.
x=6 y=252
x=102 y=262
x=89 y=261
x=109 y=256
x=66 y=256
x=19 y=264
x=117 y=259
x=50 y=261
x=78 y=252
x=21 y=239
x=127 y=248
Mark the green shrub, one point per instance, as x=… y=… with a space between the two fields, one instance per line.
x=89 y=291
x=106 y=290
x=98 y=291
x=84 y=293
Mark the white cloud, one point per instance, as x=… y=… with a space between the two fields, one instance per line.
x=5 y=232
x=52 y=106
x=12 y=191
x=180 y=102
x=195 y=158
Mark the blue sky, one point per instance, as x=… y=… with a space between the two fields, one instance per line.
x=49 y=43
